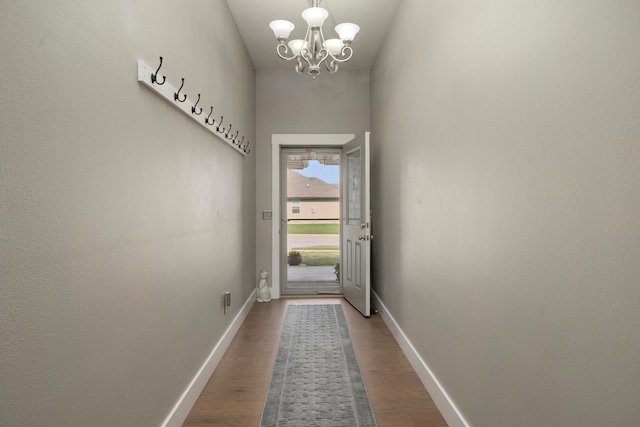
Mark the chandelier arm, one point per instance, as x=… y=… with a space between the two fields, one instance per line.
x=343 y=52
x=306 y=58
x=304 y=52
x=331 y=66
x=325 y=55
x=286 y=50
x=320 y=42
x=300 y=67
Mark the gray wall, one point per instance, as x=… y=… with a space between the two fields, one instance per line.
x=121 y=220
x=287 y=103
x=507 y=166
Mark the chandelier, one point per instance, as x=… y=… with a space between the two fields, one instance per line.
x=313 y=51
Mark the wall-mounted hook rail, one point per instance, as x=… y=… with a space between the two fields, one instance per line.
x=149 y=78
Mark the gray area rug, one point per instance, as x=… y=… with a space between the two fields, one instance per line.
x=316 y=380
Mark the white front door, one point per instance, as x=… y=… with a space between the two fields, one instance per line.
x=355 y=266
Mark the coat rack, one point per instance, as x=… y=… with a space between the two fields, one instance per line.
x=152 y=79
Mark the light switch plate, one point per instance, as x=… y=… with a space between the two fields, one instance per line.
x=266 y=215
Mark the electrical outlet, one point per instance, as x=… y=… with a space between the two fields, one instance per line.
x=266 y=215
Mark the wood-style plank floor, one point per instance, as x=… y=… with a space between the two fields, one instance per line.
x=235 y=394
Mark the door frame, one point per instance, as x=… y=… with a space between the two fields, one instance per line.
x=277 y=142
x=284 y=240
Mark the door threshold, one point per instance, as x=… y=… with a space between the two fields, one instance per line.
x=299 y=296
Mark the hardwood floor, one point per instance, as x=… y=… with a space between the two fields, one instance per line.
x=235 y=394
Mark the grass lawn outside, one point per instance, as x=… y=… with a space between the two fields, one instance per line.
x=319 y=255
x=313 y=229
x=314 y=259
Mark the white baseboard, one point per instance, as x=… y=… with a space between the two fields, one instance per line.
x=181 y=410
x=447 y=408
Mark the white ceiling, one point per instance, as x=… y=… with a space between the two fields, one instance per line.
x=253 y=16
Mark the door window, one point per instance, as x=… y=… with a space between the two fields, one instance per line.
x=353 y=187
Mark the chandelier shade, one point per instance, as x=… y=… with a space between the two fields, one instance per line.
x=313 y=51
x=347 y=31
x=297 y=45
x=282 y=28
x=315 y=16
x=333 y=45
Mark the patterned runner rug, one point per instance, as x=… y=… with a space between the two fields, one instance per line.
x=316 y=380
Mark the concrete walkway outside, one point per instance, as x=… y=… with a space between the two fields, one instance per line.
x=303 y=273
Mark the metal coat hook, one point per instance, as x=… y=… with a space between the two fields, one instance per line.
x=239 y=144
x=154 y=76
x=233 y=140
x=176 y=95
x=226 y=135
x=193 y=109
x=219 y=123
x=206 y=120
x=246 y=148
